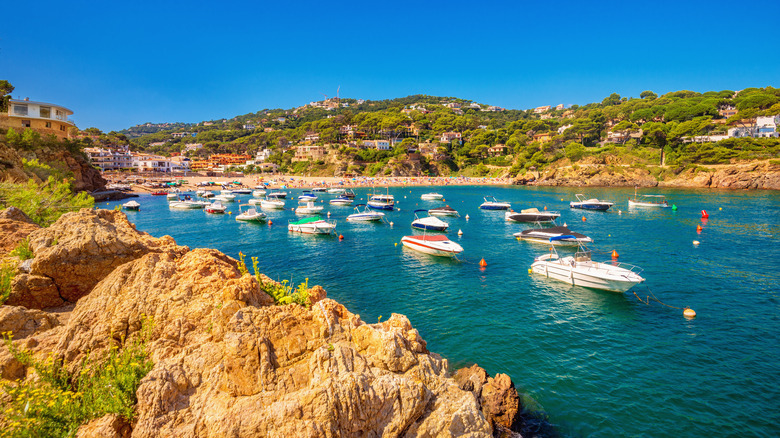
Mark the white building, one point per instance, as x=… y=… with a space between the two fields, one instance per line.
x=110 y=159
x=263 y=155
x=192 y=147
x=767 y=126
x=382 y=145
x=155 y=163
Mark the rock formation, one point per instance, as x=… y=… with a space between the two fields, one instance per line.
x=227 y=361
x=15 y=226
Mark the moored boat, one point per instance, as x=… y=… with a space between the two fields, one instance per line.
x=443 y=211
x=341 y=200
x=430 y=223
x=131 y=206
x=652 y=201
x=437 y=245
x=365 y=215
x=590 y=204
x=250 y=214
x=491 y=203
x=580 y=270
x=276 y=194
x=271 y=203
x=531 y=215
x=432 y=197
x=336 y=191
x=258 y=193
x=381 y=202
x=309 y=208
x=312 y=225
x=543 y=235
x=216 y=207
x=307 y=196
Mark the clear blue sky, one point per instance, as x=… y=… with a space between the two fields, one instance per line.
x=117 y=64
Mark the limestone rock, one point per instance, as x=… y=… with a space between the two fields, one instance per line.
x=81 y=248
x=15 y=226
x=22 y=322
x=109 y=426
x=497 y=396
x=34 y=292
x=228 y=362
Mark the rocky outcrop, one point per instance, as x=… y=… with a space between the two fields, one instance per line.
x=15 y=226
x=497 y=396
x=79 y=250
x=85 y=177
x=596 y=175
x=23 y=324
x=763 y=175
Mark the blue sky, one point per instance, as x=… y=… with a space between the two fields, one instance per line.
x=117 y=64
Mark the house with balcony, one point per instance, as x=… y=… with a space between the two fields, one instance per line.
x=110 y=158
x=449 y=136
x=382 y=145
x=309 y=153
x=497 y=150
x=44 y=118
x=543 y=137
x=541 y=109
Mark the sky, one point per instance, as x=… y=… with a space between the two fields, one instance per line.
x=118 y=64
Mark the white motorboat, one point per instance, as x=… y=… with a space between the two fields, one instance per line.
x=131 y=205
x=341 y=200
x=491 y=203
x=258 y=193
x=443 y=211
x=276 y=194
x=225 y=197
x=319 y=189
x=205 y=193
x=307 y=196
x=531 y=215
x=430 y=223
x=543 y=235
x=432 y=197
x=172 y=195
x=590 y=204
x=651 y=201
x=312 y=225
x=309 y=208
x=271 y=203
x=365 y=215
x=244 y=191
x=580 y=270
x=336 y=191
x=250 y=215
x=380 y=201
x=255 y=201
x=437 y=245
x=216 y=207
x=185 y=205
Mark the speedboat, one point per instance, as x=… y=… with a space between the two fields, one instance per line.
x=437 y=245
x=312 y=225
x=275 y=204
x=531 y=215
x=131 y=205
x=336 y=191
x=186 y=205
x=309 y=208
x=647 y=200
x=365 y=215
x=276 y=194
x=307 y=196
x=255 y=201
x=432 y=197
x=319 y=189
x=542 y=235
x=205 y=193
x=590 y=204
x=225 y=197
x=381 y=202
x=443 y=211
x=216 y=207
x=491 y=203
x=348 y=193
x=172 y=195
x=160 y=193
x=258 y=193
x=250 y=215
x=430 y=223
x=580 y=270
x=341 y=200
x=241 y=191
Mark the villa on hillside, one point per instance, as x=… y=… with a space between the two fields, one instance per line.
x=449 y=136
x=44 y=118
x=110 y=158
x=309 y=153
x=497 y=150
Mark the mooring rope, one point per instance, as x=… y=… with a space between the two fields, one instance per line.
x=647 y=299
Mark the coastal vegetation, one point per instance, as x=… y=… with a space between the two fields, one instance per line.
x=460 y=137
x=282 y=292
x=43 y=202
x=59 y=401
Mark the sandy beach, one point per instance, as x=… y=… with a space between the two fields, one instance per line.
x=307 y=182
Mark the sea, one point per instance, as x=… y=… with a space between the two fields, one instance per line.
x=596 y=363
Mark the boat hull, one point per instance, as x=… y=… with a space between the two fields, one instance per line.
x=432 y=248
x=312 y=228
x=648 y=204
x=593 y=275
x=494 y=206
x=590 y=206
x=379 y=206
x=532 y=217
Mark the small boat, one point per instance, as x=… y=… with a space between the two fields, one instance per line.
x=276 y=194
x=205 y=193
x=651 y=201
x=319 y=189
x=365 y=215
x=159 y=193
x=186 y=204
x=531 y=215
x=250 y=215
x=432 y=197
x=241 y=191
x=255 y=201
x=312 y=225
x=381 y=202
x=309 y=208
x=348 y=193
x=430 y=223
x=229 y=197
x=437 y=245
x=131 y=205
x=216 y=207
x=543 y=235
x=271 y=203
x=443 y=211
x=590 y=204
x=336 y=191
x=341 y=200
x=258 y=193
x=173 y=195
x=580 y=270
x=307 y=196
x=491 y=203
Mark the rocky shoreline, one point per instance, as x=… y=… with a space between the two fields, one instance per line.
x=227 y=360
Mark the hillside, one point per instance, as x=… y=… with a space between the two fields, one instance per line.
x=457 y=136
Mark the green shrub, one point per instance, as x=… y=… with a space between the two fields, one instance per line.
x=59 y=402
x=282 y=293
x=7 y=273
x=23 y=250
x=44 y=203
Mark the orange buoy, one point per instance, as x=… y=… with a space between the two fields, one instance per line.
x=704 y=214
x=482 y=263
x=584 y=219
x=545 y=208
x=698 y=228
x=341 y=237
x=270 y=222
x=689 y=313
x=615 y=254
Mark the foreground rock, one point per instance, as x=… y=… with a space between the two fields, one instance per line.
x=15 y=226
x=79 y=250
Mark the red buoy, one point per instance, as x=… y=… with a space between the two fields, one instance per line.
x=704 y=214
x=270 y=222
x=698 y=228
x=341 y=237
x=615 y=254
x=584 y=219
x=482 y=263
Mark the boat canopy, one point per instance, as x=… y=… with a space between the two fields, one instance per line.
x=307 y=220
x=530 y=210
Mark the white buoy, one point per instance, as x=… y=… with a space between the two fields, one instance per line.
x=689 y=313
x=467 y=217
x=564 y=224
x=328 y=214
x=620 y=212
x=460 y=232
x=696 y=243
x=391 y=224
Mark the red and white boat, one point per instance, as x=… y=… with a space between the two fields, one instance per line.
x=216 y=207
x=437 y=245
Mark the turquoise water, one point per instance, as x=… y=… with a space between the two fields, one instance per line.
x=598 y=363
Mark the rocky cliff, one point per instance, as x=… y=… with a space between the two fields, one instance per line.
x=85 y=177
x=227 y=361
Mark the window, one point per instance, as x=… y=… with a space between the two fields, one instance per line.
x=25 y=123
x=62 y=127
x=48 y=124
x=20 y=110
x=46 y=112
